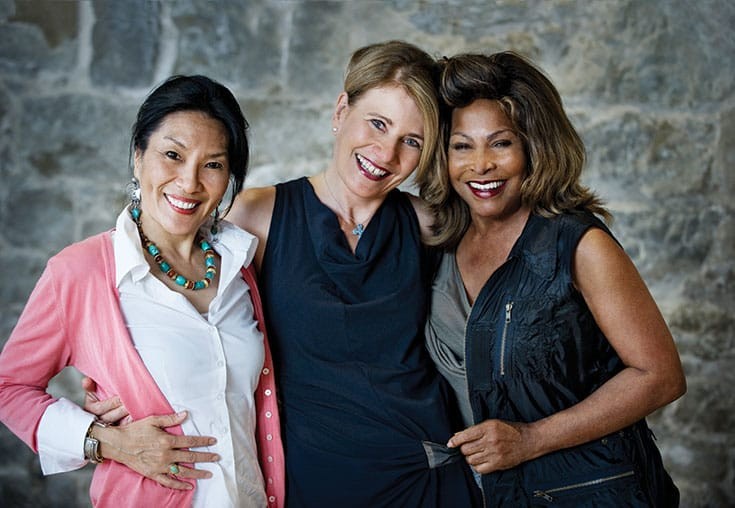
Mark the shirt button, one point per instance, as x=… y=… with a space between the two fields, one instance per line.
x=270 y=481
x=269 y=437
x=220 y=396
x=268 y=414
x=220 y=363
x=270 y=459
x=268 y=392
x=272 y=499
x=266 y=371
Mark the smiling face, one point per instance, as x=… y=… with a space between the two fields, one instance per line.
x=487 y=161
x=378 y=141
x=183 y=175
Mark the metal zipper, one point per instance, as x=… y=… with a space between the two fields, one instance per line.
x=508 y=308
x=546 y=494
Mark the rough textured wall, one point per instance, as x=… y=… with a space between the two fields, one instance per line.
x=649 y=83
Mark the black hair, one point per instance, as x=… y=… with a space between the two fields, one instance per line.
x=197 y=93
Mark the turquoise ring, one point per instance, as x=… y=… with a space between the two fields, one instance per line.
x=173 y=469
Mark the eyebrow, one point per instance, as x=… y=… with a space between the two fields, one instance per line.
x=490 y=136
x=390 y=122
x=182 y=145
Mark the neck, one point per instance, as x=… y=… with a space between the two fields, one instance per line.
x=490 y=230
x=182 y=247
x=337 y=197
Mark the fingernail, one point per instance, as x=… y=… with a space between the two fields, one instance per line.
x=212 y=441
x=217 y=457
x=181 y=413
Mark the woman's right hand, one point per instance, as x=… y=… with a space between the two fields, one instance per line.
x=144 y=446
x=147 y=448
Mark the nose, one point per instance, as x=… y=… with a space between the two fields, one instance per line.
x=388 y=150
x=483 y=163
x=188 y=178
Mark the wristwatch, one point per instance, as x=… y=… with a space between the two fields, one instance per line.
x=92 y=445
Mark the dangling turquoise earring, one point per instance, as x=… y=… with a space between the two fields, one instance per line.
x=215 y=223
x=133 y=190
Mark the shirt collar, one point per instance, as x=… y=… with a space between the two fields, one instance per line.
x=235 y=246
x=129 y=256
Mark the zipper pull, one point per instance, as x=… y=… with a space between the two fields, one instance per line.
x=508 y=308
x=541 y=493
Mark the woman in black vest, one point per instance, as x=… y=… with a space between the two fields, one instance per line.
x=539 y=319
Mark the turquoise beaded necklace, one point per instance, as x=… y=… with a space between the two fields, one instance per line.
x=210 y=262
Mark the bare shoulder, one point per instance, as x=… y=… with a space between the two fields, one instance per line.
x=426 y=218
x=253 y=209
x=598 y=252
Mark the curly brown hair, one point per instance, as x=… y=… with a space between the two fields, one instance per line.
x=553 y=149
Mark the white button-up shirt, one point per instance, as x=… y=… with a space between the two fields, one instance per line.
x=207 y=364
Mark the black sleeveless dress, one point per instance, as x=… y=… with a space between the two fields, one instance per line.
x=365 y=413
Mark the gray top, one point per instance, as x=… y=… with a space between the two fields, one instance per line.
x=445 y=330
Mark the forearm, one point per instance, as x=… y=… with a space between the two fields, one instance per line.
x=626 y=398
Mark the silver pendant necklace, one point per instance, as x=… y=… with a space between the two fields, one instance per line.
x=358 y=227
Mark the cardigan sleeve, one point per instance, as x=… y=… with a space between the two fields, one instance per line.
x=37 y=350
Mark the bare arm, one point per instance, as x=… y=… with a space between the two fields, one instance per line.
x=253 y=211
x=653 y=377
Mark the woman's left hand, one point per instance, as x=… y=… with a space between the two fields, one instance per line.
x=493 y=445
x=110 y=410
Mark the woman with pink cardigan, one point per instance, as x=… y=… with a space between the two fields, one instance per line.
x=164 y=312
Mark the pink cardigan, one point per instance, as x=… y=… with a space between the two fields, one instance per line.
x=73 y=318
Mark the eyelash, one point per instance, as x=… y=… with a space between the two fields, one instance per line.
x=212 y=165
x=412 y=143
x=380 y=125
x=466 y=146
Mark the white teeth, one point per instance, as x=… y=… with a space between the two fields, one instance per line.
x=485 y=186
x=181 y=204
x=368 y=166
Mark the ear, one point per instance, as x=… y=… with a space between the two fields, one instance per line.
x=137 y=161
x=340 y=110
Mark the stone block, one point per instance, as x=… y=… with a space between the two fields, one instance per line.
x=74 y=137
x=286 y=132
x=125 y=42
x=32 y=44
x=238 y=43
x=51 y=207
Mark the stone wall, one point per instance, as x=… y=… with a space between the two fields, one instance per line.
x=649 y=83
